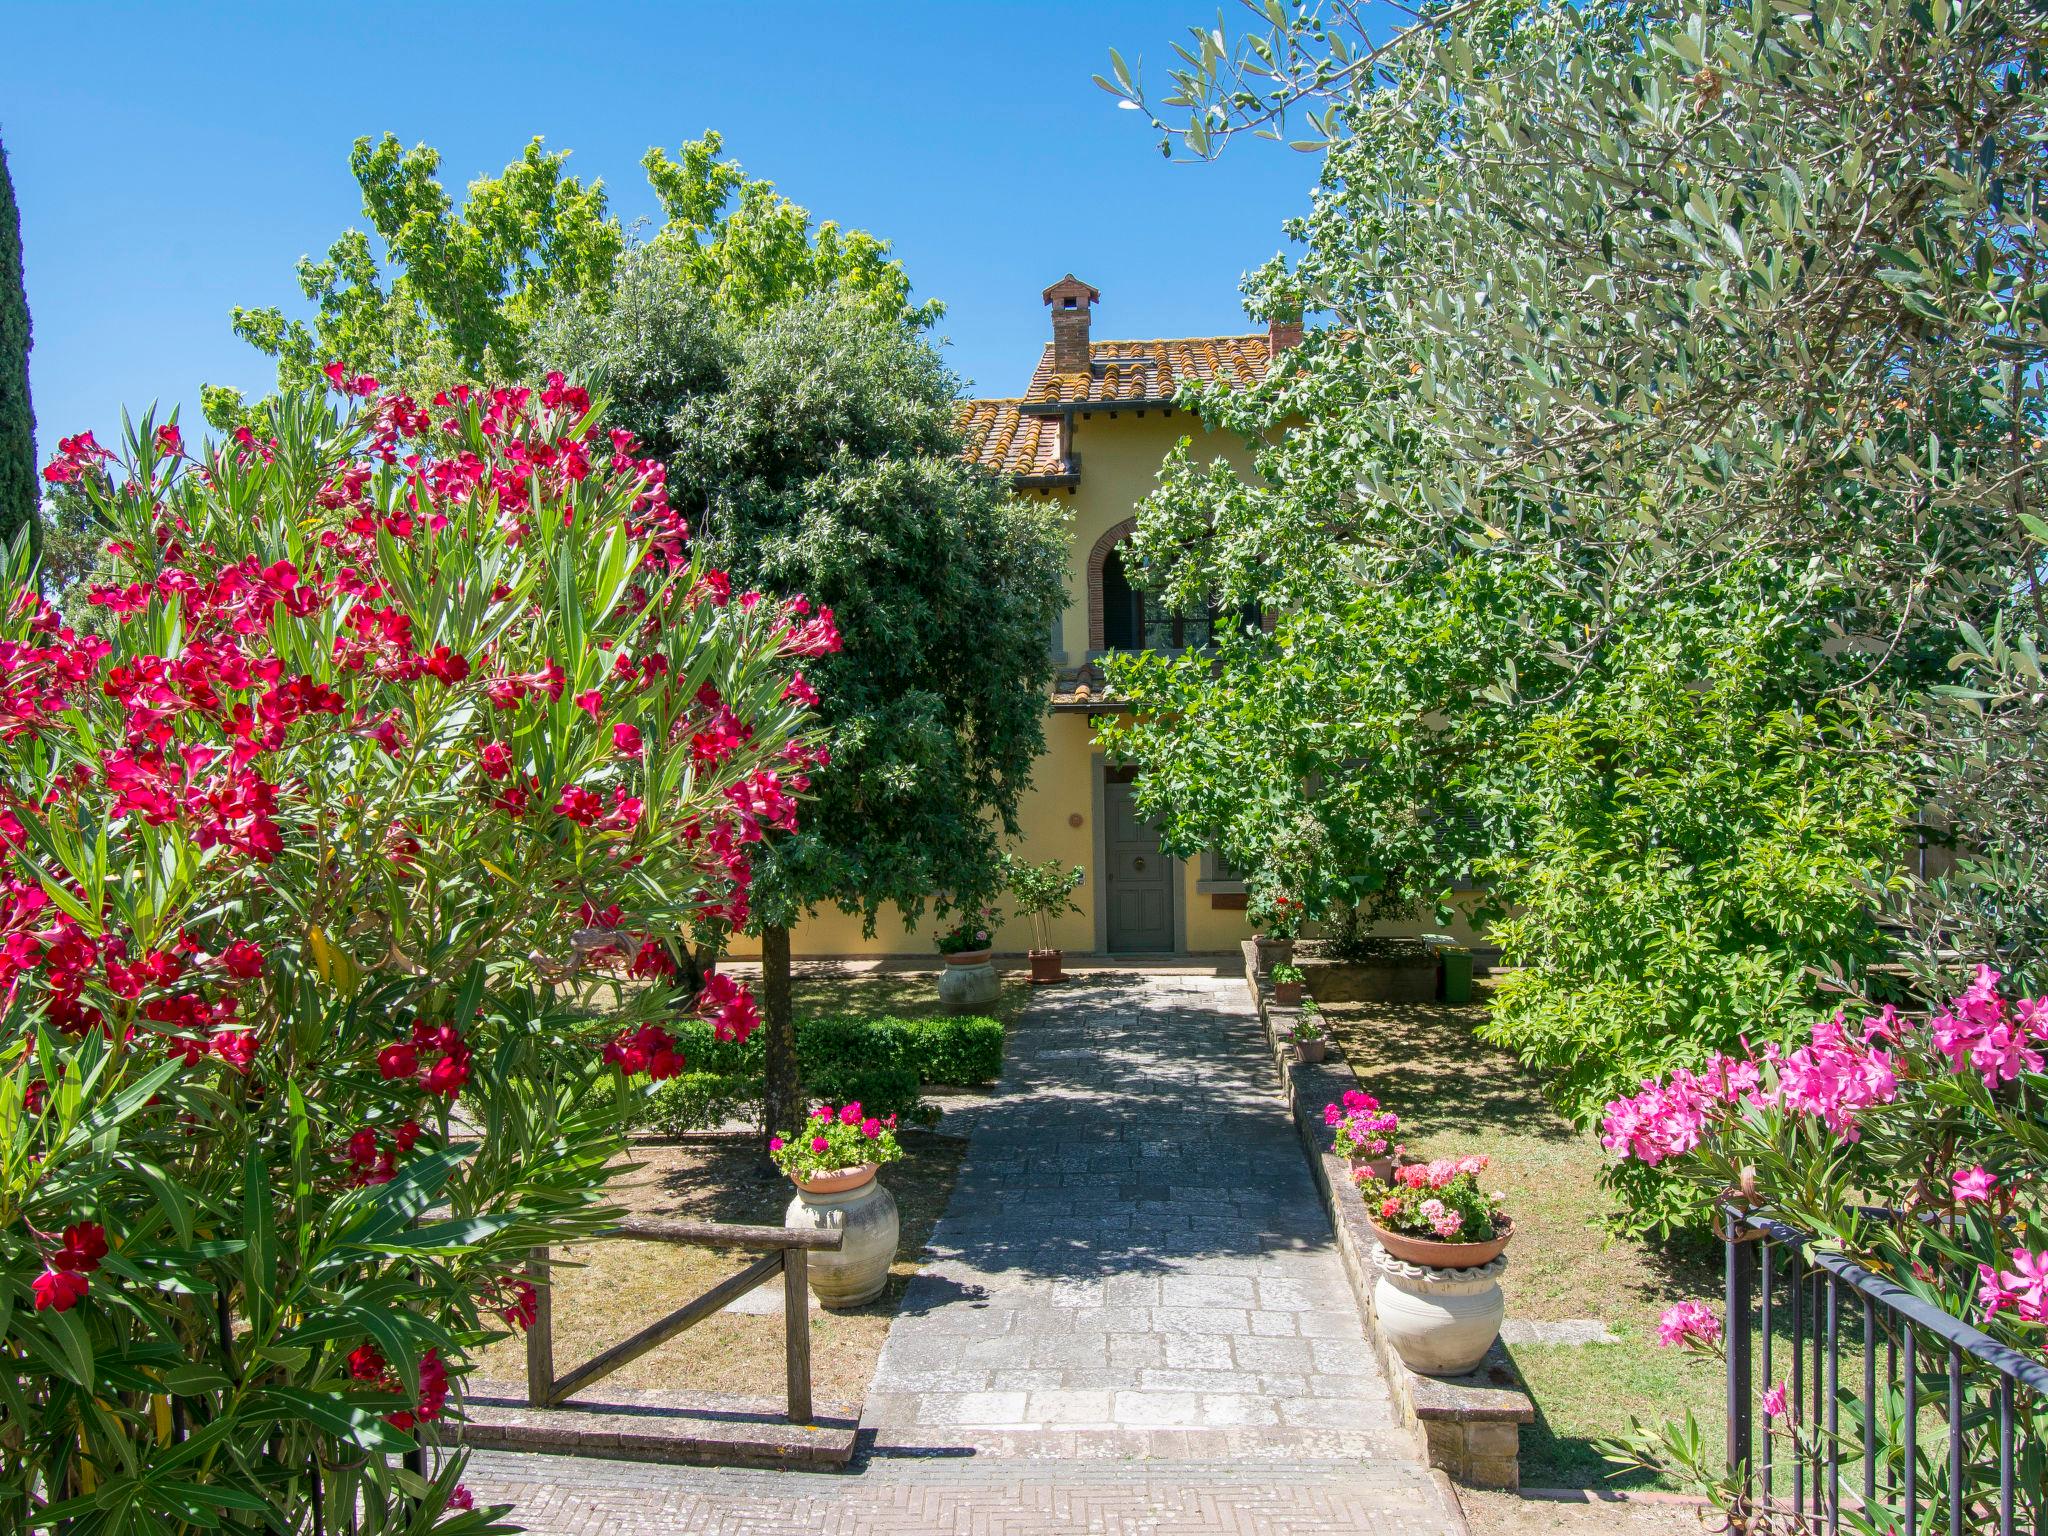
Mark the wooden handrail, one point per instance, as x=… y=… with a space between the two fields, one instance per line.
x=720 y=1234
x=788 y=1252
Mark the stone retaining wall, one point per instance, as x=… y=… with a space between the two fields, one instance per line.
x=1472 y=1423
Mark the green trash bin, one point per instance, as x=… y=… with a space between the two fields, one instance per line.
x=1453 y=968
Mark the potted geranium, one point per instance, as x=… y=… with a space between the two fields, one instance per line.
x=1442 y=1240
x=832 y=1159
x=1287 y=985
x=1043 y=892
x=1310 y=1042
x=968 y=980
x=970 y=941
x=1364 y=1134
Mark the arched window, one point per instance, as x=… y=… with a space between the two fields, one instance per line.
x=1123 y=607
x=1123 y=617
x=1134 y=621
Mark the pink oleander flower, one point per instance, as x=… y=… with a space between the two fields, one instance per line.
x=1688 y=1323
x=1977 y=1033
x=1973 y=1185
x=1774 y=1402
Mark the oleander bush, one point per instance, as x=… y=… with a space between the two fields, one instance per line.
x=405 y=719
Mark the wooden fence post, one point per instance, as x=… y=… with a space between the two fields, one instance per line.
x=540 y=1338
x=796 y=1331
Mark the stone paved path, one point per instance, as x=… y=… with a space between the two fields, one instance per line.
x=1132 y=1319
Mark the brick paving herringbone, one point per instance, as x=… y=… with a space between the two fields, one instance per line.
x=1132 y=1320
x=563 y=1497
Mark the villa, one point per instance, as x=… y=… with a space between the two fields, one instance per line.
x=1092 y=429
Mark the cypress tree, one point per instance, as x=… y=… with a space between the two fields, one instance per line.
x=19 y=494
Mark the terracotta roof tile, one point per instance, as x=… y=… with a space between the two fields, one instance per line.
x=1134 y=372
x=999 y=436
x=1011 y=436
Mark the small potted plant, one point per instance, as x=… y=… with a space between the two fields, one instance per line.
x=1311 y=1042
x=1364 y=1134
x=832 y=1159
x=1287 y=984
x=1043 y=892
x=1442 y=1241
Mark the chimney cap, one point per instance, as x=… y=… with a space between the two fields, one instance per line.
x=1069 y=291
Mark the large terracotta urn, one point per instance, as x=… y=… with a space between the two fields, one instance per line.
x=854 y=1201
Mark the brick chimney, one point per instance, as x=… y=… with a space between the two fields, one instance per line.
x=1070 y=299
x=1282 y=334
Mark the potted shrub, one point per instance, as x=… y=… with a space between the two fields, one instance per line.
x=967 y=980
x=1311 y=1043
x=1364 y=1134
x=832 y=1159
x=1044 y=892
x=1287 y=985
x=1442 y=1248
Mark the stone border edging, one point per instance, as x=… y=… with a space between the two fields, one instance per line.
x=1470 y=1425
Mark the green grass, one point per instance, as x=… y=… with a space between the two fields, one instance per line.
x=821 y=992
x=1456 y=1094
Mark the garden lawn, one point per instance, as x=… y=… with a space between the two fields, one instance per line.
x=1456 y=1094
x=606 y=1291
x=825 y=989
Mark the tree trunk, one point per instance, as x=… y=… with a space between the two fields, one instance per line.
x=781 y=1106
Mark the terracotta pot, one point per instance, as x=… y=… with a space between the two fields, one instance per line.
x=1045 y=967
x=1311 y=1050
x=1287 y=993
x=865 y=1216
x=838 y=1182
x=968 y=957
x=1431 y=1254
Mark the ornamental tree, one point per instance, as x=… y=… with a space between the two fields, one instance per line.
x=408 y=722
x=818 y=450
x=1632 y=295
x=18 y=495
x=455 y=293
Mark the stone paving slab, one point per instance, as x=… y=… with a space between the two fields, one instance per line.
x=1134 y=1246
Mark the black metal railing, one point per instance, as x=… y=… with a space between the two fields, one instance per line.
x=1896 y=1417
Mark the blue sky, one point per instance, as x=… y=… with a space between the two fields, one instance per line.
x=172 y=161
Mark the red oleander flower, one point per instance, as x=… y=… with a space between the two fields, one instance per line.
x=58 y=1290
